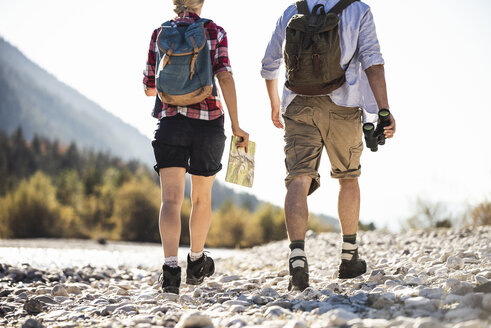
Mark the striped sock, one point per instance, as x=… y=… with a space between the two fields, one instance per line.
x=348 y=250
x=171 y=261
x=297 y=244
x=195 y=256
x=297 y=252
x=349 y=239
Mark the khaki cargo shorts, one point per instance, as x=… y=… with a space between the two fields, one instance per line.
x=312 y=123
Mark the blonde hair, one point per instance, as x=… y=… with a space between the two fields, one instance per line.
x=184 y=6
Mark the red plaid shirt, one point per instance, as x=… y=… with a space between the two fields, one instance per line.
x=211 y=107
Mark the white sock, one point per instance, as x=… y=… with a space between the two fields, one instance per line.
x=171 y=261
x=195 y=256
x=297 y=252
x=348 y=251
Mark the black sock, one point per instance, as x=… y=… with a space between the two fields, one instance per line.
x=349 y=239
x=297 y=244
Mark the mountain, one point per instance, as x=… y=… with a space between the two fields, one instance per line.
x=35 y=100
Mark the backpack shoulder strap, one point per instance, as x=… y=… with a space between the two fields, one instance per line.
x=340 y=6
x=302 y=7
x=166 y=23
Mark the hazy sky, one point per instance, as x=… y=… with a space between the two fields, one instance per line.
x=437 y=70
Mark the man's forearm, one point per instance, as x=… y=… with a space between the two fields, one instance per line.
x=272 y=87
x=376 y=78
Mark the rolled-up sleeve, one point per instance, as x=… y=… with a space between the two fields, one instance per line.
x=368 y=45
x=149 y=71
x=273 y=57
x=221 y=62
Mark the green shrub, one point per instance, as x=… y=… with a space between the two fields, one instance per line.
x=32 y=211
x=481 y=214
x=270 y=220
x=228 y=227
x=136 y=210
x=428 y=215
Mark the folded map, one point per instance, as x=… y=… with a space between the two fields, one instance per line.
x=240 y=169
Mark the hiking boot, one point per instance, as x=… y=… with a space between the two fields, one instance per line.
x=170 y=279
x=199 y=269
x=352 y=268
x=299 y=270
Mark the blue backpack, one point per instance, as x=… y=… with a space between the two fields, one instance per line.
x=184 y=74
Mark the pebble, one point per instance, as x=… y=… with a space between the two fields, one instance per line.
x=59 y=290
x=412 y=282
x=484 y=288
x=376 y=275
x=420 y=302
x=382 y=302
x=481 y=279
x=274 y=311
x=339 y=317
x=486 y=302
x=230 y=278
x=270 y=292
x=32 y=323
x=45 y=299
x=296 y=324
x=256 y=299
x=33 y=306
x=455 y=262
x=195 y=320
x=170 y=297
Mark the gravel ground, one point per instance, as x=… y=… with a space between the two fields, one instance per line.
x=437 y=278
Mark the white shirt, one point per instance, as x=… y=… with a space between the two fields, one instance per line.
x=358 y=40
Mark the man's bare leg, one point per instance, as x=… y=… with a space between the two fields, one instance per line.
x=296 y=207
x=349 y=205
x=349 y=212
x=296 y=218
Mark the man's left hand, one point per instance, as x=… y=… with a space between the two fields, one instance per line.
x=390 y=130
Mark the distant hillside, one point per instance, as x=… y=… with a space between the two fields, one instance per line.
x=35 y=100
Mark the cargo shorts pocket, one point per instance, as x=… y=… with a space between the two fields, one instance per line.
x=355 y=156
x=345 y=127
x=290 y=155
x=299 y=114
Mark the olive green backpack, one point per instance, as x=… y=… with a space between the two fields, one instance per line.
x=312 y=52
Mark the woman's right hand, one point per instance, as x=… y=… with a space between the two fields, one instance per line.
x=243 y=136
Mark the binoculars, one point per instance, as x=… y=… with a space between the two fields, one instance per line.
x=375 y=137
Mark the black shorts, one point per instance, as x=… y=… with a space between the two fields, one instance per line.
x=196 y=145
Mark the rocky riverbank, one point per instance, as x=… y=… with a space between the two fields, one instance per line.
x=438 y=278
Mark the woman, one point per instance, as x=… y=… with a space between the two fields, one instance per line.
x=191 y=139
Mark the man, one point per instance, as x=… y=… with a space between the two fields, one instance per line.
x=331 y=120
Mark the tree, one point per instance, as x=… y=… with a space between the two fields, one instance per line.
x=428 y=215
x=228 y=227
x=32 y=211
x=136 y=210
x=271 y=221
x=69 y=189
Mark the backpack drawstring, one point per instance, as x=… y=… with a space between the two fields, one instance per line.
x=195 y=56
